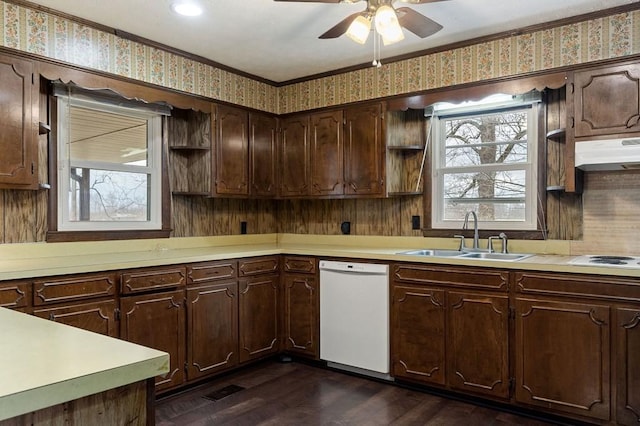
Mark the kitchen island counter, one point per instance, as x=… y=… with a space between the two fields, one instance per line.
x=46 y=363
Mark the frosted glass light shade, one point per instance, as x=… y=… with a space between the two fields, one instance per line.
x=387 y=25
x=359 y=29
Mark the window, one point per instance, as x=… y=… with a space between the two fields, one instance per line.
x=485 y=160
x=109 y=165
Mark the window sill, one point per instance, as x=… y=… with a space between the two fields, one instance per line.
x=68 y=236
x=484 y=233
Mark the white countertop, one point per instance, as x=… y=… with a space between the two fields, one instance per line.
x=45 y=363
x=18 y=261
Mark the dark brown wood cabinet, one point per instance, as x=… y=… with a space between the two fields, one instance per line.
x=157 y=320
x=628 y=371
x=259 y=294
x=96 y=316
x=232 y=152
x=442 y=334
x=478 y=337
x=327 y=154
x=153 y=314
x=301 y=306
x=418 y=340
x=15 y=294
x=294 y=156
x=364 y=151
x=212 y=318
x=606 y=101
x=263 y=151
x=19 y=124
x=563 y=356
x=86 y=301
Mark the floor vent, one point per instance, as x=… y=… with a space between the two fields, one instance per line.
x=223 y=392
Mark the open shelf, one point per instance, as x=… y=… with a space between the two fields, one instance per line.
x=419 y=148
x=557 y=134
x=43 y=128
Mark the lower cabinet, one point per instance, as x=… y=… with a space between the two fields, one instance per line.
x=446 y=336
x=301 y=306
x=157 y=320
x=98 y=316
x=477 y=343
x=258 y=317
x=212 y=328
x=418 y=316
x=563 y=356
x=627 y=360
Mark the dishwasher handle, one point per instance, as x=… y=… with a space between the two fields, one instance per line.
x=355 y=268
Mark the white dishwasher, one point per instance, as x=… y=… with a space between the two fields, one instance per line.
x=354 y=317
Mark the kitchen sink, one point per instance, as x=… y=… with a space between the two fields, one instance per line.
x=496 y=256
x=509 y=257
x=433 y=252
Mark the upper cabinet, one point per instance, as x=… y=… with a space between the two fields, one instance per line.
x=606 y=101
x=333 y=154
x=232 y=152
x=364 y=150
x=327 y=157
x=19 y=127
x=294 y=160
x=262 y=148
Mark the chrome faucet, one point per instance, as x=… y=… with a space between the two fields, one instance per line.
x=476 y=238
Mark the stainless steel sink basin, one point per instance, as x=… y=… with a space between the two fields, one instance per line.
x=511 y=257
x=507 y=257
x=433 y=252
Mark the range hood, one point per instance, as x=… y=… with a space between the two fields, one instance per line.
x=608 y=154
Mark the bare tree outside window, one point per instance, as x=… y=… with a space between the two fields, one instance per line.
x=484 y=161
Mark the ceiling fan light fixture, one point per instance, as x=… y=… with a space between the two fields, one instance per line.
x=359 y=29
x=387 y=25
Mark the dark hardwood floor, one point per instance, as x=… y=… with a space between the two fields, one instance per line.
x=300 y=394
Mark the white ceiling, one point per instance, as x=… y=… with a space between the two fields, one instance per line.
x=278 y=41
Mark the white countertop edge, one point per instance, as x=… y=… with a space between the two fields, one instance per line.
x=57 y=393
x=47 y=363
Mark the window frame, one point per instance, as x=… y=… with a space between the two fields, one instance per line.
x=153 y=169
x=531 y=167
x=54 y=234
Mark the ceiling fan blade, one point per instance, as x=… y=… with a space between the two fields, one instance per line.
x=311 y=1
x=417 y=23
x=341 y=27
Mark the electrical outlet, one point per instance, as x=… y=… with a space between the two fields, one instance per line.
x=243 y=227
x=415 y=222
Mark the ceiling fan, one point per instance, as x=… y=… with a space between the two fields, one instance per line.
x=387 y=19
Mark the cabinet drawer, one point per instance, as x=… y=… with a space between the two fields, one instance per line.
x=15 y=294
x=452 y=277
x=152 y=279
x=596 y=286
x=98 y=317
x=260 y=265
x=201 y=272
x=76 y=287
x=304 y=265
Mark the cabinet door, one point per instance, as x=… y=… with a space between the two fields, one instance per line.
x=628 y=354
x=363 y=151
x=212 y=315
x=327 y=153
x=98 y=317
x=258 y=317
x=18 y=109
x=563 y=356
x=294 y=157
x=607 y=100
x=478 y=343
x=418 y=333
x=157 y=320
x=262 y=145
x=232 y=152
x=301 y=323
